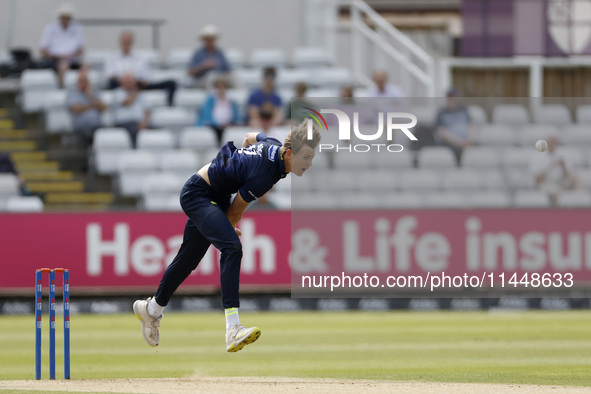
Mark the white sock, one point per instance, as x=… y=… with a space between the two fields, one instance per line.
x=231 y=318
x=154 y=309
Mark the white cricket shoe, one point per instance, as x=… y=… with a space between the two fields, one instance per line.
x=150 y=325
x=240 y=336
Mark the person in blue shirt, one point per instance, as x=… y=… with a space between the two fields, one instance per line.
x=209 y=57
x=249 y=172
x=265 y=103
x=219 y=111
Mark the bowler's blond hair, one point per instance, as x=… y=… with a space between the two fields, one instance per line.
x=298 y=137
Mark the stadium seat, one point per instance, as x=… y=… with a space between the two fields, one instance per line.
x=577 y=135
x=24 y=204
x=179 y=76
x=154 y=98
x=489 y=199
x=574 y=198
x=248 y=78
x=133 y=168
x=281 y=201
x=444 y=200
x=303 y=184
x=519 y=178
x=381 y=180
x=421 y=180
x=279 y=132
x=155 y=141
x=584 y=114
x=436 y=157
x=107 y=146
x=200 y=138
x=353 y=160
x=182 y=162
x=58 y=121
x=97 y=58
x=71 y=79
x=574 y=154
x=493 y=179
x=284 y=185
x=426 y=115
x=9 y=185
x=585 y=178
x=402 y=200
x=360 y=200
x=514 y=115
x=477 y=114
x=236 y=134
x=314 y=201
x=157 y=190
x=268 y=57
x=34 y=84
x=287 y=78
x=529 y=134
x=480 y=157
x=517 y=157
x=178 y=58
x=334 y=180
x=235 y=57
x=552 y=114
x=495 y=135
x=531 y=199
x=310 y=57
x=394 y=161
x=190 y=99
x=462 y=180
x=240 y=96
x=323 y=92
x=150 y=56
x=55 y=99
x=331 y=78
x=172 y=118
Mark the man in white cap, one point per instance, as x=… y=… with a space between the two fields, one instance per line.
x=62 y=43
x=209 y=57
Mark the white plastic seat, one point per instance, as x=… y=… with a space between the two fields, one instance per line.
x=71 y=79
x=183 y=163
x=445 y=200
x=529 y=134
x=421 y=180
x=493 y=179
x=496 y=135
x=172 y=74
x=279 y=132
x=287 y=78
x=55 y=99
x=402 y=200
x=477 y=114
x=334 y=180
x=331 y=78
x=462 y=180
x=480 y=157
x=314 y=201
x=236 y=134
x=172 y=118
x=24 y=204
x=426 y=115
x=97 y=58
x=510 y=114
x=282 y=201
x=154 y=98
x=394 y=161
x=58 y=121
x=360 y=200
x=574 y=198
x=489 y=199
x=190 y=99
x=200 y=138
x=552 y=114
x=436 y=157
x=380 y=180
x=34 y=84
x=268 y=57
x=133 y=168
x=585 y=178
x=303 y=184
x=519 y=178
x=577 y=135
x=157 y=190
x=574 y=154
x=309 y=57
x=531 y=199
x=9 y=185
x=353 y=160
x=248 y=79
x=150 y=56
x=584 y=114
x=179 y=58
x=240 y=96
x=517 y=157
x=155 y=141
x=330 y=92
x=235 y=57
x=107 y=146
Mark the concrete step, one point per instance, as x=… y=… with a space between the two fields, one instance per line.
x=28 y=156
x=30 y=176
x=37 y=165
x=78 y=198
x=57 y=186
x=6 y=124
x=13 y=134
x=23 y=145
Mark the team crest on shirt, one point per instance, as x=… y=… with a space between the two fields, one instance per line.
x=272 y=152
x=253 y=150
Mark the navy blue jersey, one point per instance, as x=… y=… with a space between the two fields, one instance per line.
x=252 y=171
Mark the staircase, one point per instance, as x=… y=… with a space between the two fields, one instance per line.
x=61 y=189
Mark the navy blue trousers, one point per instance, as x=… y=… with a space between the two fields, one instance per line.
x=207 y=225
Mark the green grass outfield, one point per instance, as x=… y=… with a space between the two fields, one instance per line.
x=486 y=347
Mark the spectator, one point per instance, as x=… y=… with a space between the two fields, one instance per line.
x=209 y=57
x=85 y=108
x=265 y=103
x=382 y=88
x=453 y=126
x=7 y=167
x=126 y=61
x=62 y=43
x=553 y=170
x=130 y=111
x=297 y=116
x=219 y=111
